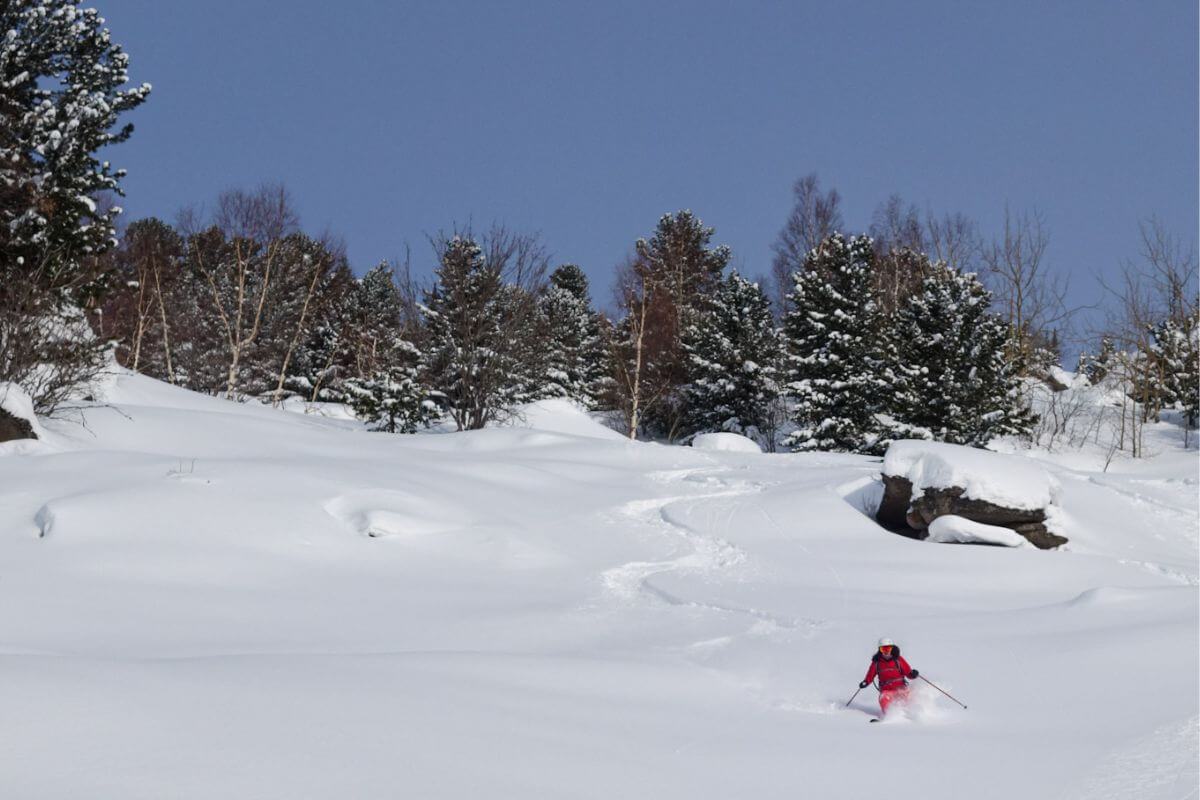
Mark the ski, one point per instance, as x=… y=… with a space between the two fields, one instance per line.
x=875 y=719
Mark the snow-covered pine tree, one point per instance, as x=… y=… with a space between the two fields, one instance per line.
x=1096 y=367
x=733 y=350
x=956 y=385
x=375 y=320
x=325 y=354
x=391 y=398
x=1175 y=350
x=472 y=332
x=523 y=348
x=62 y=77
x=61 y=96
x=834 y=370
x=387 y=391
x=572 y=360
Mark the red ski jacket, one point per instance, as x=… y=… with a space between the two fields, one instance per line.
x=890 y=671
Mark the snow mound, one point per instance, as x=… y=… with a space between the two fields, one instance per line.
x=387 y=512
x=1010 y=481
x=954 y=529
x=726 y=442
x=563 y=416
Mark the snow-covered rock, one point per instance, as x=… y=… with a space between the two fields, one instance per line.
x=726 y=442
x=1012 y=481
x=17 y=420
x=927 y=480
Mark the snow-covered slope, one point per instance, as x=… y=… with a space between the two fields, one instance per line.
x=203 y=599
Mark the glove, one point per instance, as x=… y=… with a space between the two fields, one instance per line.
x=914 y=674
x=862 y=685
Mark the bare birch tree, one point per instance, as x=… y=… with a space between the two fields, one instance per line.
x=315 y=259
x=1025 y=289
x=814 y=216
x=240 y=274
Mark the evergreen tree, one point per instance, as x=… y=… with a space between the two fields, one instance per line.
x=386 y=390
x=473 y=337
x=1175 y=350
x=833 y=368
x=391 y=398
x=62 y=77
x=571 y=362
x=670 y=274
x=375 y=318
x=733 y=350
x=679 y=258
x=325 y=356
x=1097 y=367
x=61 y=97
x=956 y=383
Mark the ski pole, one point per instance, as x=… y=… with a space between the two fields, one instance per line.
x=851 y=700
x=934 y=685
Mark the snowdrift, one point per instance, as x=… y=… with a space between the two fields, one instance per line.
x=208 y=599
x=726 y=443
x=954 y=529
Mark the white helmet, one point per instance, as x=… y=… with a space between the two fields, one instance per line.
x=886 y=642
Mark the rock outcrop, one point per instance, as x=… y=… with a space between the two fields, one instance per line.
x=13 y=427
x=909 y=512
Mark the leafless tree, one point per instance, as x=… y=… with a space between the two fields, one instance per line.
x=522 y=259
x=954 y=239
x=898 y=273
x=633 y=345
x=814 y=216
x=1067 y=417
x=1169 y=270
x=897 y=226
x=1025 y=289
x=134 y=311
x=410 y=289
x=255 y=225
x=1159 y=287
x=46 y=341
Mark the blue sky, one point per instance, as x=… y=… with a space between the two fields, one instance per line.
x=586 y=121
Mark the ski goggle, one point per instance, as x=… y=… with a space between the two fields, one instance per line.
x=885 y=648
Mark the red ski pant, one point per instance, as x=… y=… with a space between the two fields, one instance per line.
x=896 y=694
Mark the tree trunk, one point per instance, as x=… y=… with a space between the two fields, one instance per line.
x=287 y=356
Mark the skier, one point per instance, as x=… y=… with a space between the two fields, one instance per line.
x=892 y=670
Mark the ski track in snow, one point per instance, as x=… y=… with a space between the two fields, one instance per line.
x=1180 y=519
x=1159 y=766
x=1157 y=506
x=708 y=554
x=1159 y=569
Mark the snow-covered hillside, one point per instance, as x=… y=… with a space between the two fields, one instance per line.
x=203 y=599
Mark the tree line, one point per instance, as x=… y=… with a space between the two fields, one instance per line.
x=915 y=327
